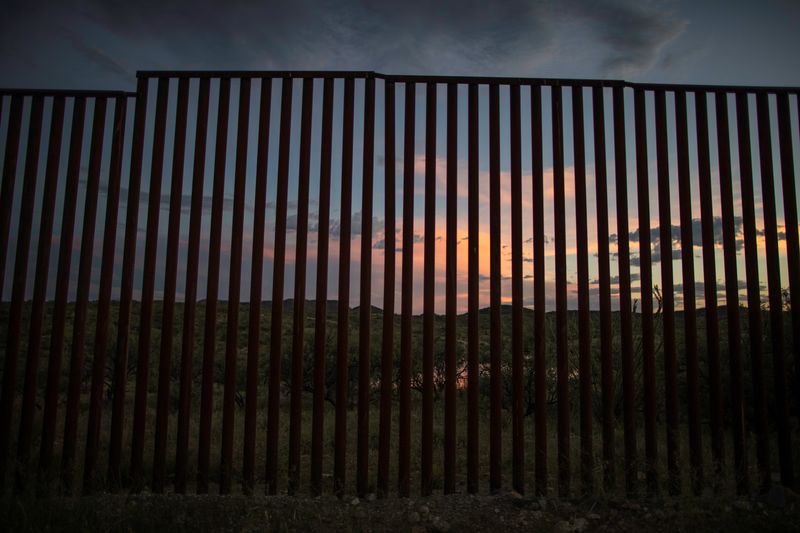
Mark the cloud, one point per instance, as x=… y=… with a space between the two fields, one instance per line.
x=697 y=235
x=105 y=41
x=633 y=32
x=97 y=56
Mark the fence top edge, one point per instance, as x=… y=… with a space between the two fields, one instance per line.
x=401 y=78
x=75 y=93
x=478 y=80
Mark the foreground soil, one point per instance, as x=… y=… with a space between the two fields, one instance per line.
x=777 y=511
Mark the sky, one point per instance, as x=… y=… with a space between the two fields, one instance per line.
x=101 y=45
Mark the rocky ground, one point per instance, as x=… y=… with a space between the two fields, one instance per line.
x=776 y=511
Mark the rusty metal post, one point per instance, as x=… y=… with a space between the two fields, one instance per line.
x=668 y=312
x=212 y=288
x=646 y=273
x=96 y=398
x=562 y=340
x=731 y=295
x=539 y=353
x=126 y=290
x=82 y=297
x=604 y=277
x=39 y=291
x=495 y=333
x=299 y=318
x=387 y=348
x=62 y=288
x=276 y=326
x=404 y=444
x=148 y=288
x=365 y=293
x=190 y=292
x=14 y=332
x=428 y=291
x=623 y=261
x=254 y=311
x=473 y=337
x=689 y=303
x=170 y=281
x=343 y=316
x=320 y=315
x=774 y=290
x=518 y=433
x=790 y=222
x=234 y=287
x=450 y=289
x=709 y=283
x=584 y=317
x=753 y=291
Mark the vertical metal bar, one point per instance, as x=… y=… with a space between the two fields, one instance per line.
x=731 y=295
x=689 y=313
x=62 y=288
x=518 y=432
x=623 y=261
x=584 y=318
x=562 y=346
x=495 y=334
x=387 y=349
x=709 y=282
x=604 y=277
x=276 y=327
x=473 y=336
x=190 y=292
x=667 y=294
x=342 y=354
x=256 y=268
x=234 y=286
x=365 y=294
x=320 y=315
x=450 y=289
x=794 y=242
x=539 y=353
x=170 y=278
x=212 y=287
x=40 y=290
x=790 y=221
x=148 y=287
x=9 y=182
x=19 y=281
x=404 y=436
x=82 y=298
x=104 y=300
x=428 y=290
x=646 y=273
x=753 y=291
x=299 y=319
x=126 y=290
x=774 y=288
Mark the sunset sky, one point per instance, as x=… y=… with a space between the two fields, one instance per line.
x=96 y=44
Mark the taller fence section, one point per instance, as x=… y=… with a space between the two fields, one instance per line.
x=551 y=286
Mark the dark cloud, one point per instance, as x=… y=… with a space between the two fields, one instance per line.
x=633 y=32
x=697 y=236
x=106 y=41
x=97 y=56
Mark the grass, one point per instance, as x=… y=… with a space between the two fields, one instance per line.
x=724 y=481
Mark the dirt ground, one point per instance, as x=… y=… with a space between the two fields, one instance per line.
x=777 y=511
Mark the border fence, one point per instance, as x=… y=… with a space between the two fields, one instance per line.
x=658 y=348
